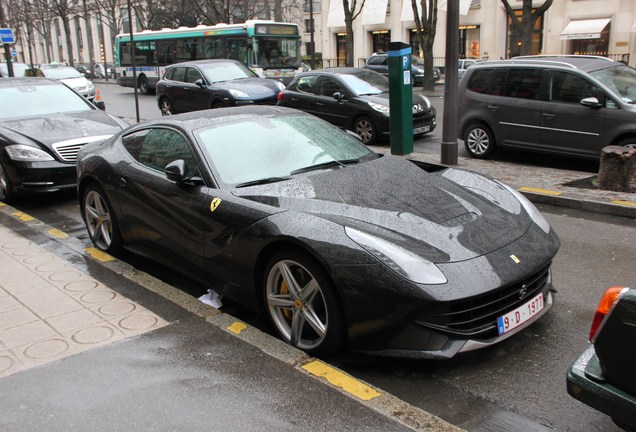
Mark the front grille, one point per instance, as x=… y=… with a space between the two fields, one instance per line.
x=68 y=152
x=476 y=317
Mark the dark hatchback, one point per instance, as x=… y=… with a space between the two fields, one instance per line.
x=604 y=376
x=205 y=84
x=355 y=99
x=379 y=62
x=43 y=124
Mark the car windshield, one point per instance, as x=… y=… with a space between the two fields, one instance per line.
x=18 y=69
x=38 y=100
x=219 y=72
x=275 y=147
x=366 y=82
x=621 y=79
x=61 y=73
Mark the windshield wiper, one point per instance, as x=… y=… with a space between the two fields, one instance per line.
x=332 y=163
x=261 y=181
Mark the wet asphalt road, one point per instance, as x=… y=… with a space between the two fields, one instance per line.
x=516 y=385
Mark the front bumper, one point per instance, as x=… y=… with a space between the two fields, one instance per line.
x=41 y=177
x=586 y=382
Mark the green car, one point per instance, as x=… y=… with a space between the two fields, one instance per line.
x=604 y=376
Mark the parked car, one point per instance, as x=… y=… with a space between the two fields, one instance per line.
x=282 y=212
x=102 y=70
x=19 y=69
x=85 y=70
x=604 y=376
x=353 y=98
x=69 y=76
x=41 y=133
x=379 y=62
x=463 y=64
x=204 y=84
x=567 y=105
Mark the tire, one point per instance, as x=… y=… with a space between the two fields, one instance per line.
x=479 y=141
x=218 y=104
x=6 y=188
x=165 y=106
x=142 y=84
x=365 y=128
x=302 y=304
x=100 y=220
x=627 y=142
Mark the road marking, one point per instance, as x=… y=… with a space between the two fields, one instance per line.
x=541 y=191
x=57 y=233
x=237 y=327
x=625 y=203
x=99 y=255
x=339 y=379
x=23 y=216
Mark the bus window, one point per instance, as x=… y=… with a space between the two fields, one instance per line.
x=237 y=49
x=166 y=52
x=188 y=49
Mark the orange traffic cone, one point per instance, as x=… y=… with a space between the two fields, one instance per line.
x=98 y=96
x=99 y=103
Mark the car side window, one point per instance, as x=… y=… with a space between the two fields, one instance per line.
x=307 y=84
x=156 y=148
x=480 y=80
x=328 y=86
x=569 y=87
x=193 y=75
x=378 y=60
x=178 y=74
x=523 y=83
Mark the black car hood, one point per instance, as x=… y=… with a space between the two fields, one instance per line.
x=255 y=87
x=60 y=127
x=446 y=216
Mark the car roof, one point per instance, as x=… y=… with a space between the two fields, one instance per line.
x=203 y=62
x=336 y=71
x=197 y=119
x=27 y=81
x=581 y=62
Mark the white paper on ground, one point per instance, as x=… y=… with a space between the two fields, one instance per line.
x=211 y=298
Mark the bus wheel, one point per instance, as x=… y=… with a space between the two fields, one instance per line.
x=143 y=85
x=165 y=106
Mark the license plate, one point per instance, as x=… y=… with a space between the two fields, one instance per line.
x=522 y=314
x=420 y=130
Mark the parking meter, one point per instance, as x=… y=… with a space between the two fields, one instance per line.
x=400 y=98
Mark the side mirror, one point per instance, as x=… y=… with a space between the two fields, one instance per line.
x=176 y=171
x=338 y=96
x=101 y=105
x=200 y=83
x=591 y=102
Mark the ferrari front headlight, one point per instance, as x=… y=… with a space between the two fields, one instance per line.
x=403 y=262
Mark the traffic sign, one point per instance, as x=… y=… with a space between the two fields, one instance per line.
x=6 y=36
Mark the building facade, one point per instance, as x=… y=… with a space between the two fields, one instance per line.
x=602 y=27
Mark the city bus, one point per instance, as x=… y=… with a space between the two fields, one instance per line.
x=271 y=49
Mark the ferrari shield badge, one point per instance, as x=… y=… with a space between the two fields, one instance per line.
x=214 y=204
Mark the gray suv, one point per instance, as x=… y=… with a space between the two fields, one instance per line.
x=568 y=105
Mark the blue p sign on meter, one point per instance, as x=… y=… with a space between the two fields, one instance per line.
x=6 y=36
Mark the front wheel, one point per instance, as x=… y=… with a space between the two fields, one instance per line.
x=303 y=305
x=100 y=220
x=479 y=141
x=165 y=106
x=365 y=128
x=6 y=188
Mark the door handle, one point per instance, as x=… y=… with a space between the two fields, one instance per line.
x=548 y=116
x=122 y=183
x=492 y=107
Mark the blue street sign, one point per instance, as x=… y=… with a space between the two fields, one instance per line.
x=14 y=53
x=6 y=36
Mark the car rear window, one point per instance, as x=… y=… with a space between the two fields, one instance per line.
x=480 y=80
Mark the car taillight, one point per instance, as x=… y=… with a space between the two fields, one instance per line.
x=280 y=95
x=609 y=299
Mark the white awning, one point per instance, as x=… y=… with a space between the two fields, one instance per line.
x=336 y=14
x=407 y=10
x=584 y=29
x=374 y=12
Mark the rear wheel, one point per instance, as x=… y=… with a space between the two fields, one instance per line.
x=165 y=106
x=303 y=305
x=144 y=88
x=6 y=188
x=365 y=128
x=627 y=142
x=479 y=141
x=218 y=104
x=100 y=220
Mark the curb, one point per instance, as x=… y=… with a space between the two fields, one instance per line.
x=374 y=398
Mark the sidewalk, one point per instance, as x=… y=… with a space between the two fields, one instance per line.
x=89 y=343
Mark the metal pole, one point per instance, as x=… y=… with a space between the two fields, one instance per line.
x=312 y=61
x=134 y=62
x=7 y=49
x=449 y=131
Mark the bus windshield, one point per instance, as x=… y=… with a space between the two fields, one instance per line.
x=277 y=52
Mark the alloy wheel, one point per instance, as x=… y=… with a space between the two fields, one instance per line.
x=98 y=220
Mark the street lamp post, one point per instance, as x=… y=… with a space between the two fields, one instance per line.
x=449 y=131
x=134 y=62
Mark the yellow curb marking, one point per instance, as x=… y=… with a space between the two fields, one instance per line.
x=99 y=255
x=341 y=380
x=23 y=216
x=2 y=204
x=237 y=327
x=57 y=233
x=625 y=203
x=541 y=191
